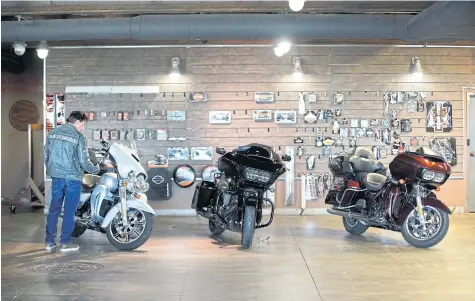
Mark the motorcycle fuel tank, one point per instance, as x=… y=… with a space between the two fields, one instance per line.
x=110 y=180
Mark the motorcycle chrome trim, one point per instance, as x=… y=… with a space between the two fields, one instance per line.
x=430 y=201
x=350 y=189
x=130 y=204
x=271 y=218
x=123 y=204
x=425 y=224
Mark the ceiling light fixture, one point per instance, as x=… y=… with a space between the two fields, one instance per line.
x=416 y=68
x=42 y=50
x=296 y=5
x=282 y=48
x=19 y=48
x=175 y=71
x=298 y=73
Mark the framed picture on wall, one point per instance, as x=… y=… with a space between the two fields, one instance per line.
x=264 y=97
x=178 y=153
x=262 y=115
x=220 y=117
x=285 y=117
x=176 y=115
x=202 y=153
x=198 y=97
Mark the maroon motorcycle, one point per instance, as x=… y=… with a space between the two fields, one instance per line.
x=404 y=201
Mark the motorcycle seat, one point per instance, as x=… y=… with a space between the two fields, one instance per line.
x=371 y=181
x=365 y=165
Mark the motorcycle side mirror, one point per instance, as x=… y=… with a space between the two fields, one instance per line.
x=220 y=151
x=286 y=158
x=104 y=143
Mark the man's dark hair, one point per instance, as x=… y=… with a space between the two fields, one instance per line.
x=77 y=116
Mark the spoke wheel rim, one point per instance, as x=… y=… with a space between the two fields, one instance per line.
x=132 y=232
x=433 y=223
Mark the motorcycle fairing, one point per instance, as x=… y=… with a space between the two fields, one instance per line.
x=429 y=201
x=97 y=197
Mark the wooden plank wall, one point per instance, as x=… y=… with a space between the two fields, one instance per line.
x=232 y=75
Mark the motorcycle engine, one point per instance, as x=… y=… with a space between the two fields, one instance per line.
x=227 y=206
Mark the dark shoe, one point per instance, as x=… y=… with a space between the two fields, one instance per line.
x=50 y=246
x=68 y=247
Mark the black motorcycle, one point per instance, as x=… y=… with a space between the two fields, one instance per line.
x=235 y=199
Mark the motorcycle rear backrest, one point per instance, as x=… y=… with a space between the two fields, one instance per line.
x=363 y=152
x=220 y=151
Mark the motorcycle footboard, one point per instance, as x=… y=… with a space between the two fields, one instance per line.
x=271 y=217
x=204 y=194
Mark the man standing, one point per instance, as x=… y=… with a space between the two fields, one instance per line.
x=66 y=159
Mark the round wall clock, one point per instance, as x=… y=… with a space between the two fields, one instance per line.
x=208 y=172
x=184 y=175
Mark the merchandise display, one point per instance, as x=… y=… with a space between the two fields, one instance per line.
x=264 y=97
x=178 y=153
x=202 y=153
x=289 y=177
x=312 y=97
x=220 y=117
x=140 y=134
x=300 y=151
x=285 y=117
x=176 y=115
x=159 y=180
x=160 y=161
x=338 y=98
x=184 y=176
x=301 y=103
x=310 y=117
x=162 y=134
x=198 y=97
x=439 y=117
x=310 y=162
x=445 y=147
x=262 y=115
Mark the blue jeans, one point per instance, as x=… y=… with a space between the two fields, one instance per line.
x=70 y=190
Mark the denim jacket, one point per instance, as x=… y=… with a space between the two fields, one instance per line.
x=65 y=154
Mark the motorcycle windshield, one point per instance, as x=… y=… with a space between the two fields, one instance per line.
x=133 y=147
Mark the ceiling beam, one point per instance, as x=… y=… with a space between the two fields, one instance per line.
x=42 y=8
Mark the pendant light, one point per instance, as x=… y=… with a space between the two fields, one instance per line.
x=19 y=48
x=416 y=68
x=175 y=71
x=42 y=50
x=296 y=5
x=282 y=48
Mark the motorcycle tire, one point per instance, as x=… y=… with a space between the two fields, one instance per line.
x=354 y=226
x=78 y=231
x=429 y=242
x=214 y=228
x=136 y=243
x=248 y=227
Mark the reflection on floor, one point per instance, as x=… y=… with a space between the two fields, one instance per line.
x=305 y=258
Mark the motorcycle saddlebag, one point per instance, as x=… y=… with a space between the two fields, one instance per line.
x=204 y=194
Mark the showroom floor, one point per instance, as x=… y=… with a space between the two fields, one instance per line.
x=305 y=258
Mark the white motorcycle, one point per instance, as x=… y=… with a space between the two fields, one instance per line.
x=114 y=202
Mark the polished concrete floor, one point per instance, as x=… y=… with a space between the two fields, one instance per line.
x=297 y=258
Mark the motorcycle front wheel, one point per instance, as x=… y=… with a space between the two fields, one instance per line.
x=248 y=226
x=430 y=232
x=135 y=234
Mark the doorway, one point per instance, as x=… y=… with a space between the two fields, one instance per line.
x=470 y=98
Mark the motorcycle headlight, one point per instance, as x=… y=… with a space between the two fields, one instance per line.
x=429 y=175
x=257 y=175
x=439 y=177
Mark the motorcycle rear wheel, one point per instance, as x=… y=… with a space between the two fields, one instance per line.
x=437 y=221
x=138 y=217
x=214 y=228
x=248 y=227
x=354 y=226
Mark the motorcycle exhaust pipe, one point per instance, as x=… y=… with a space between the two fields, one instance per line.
x=342 y=213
